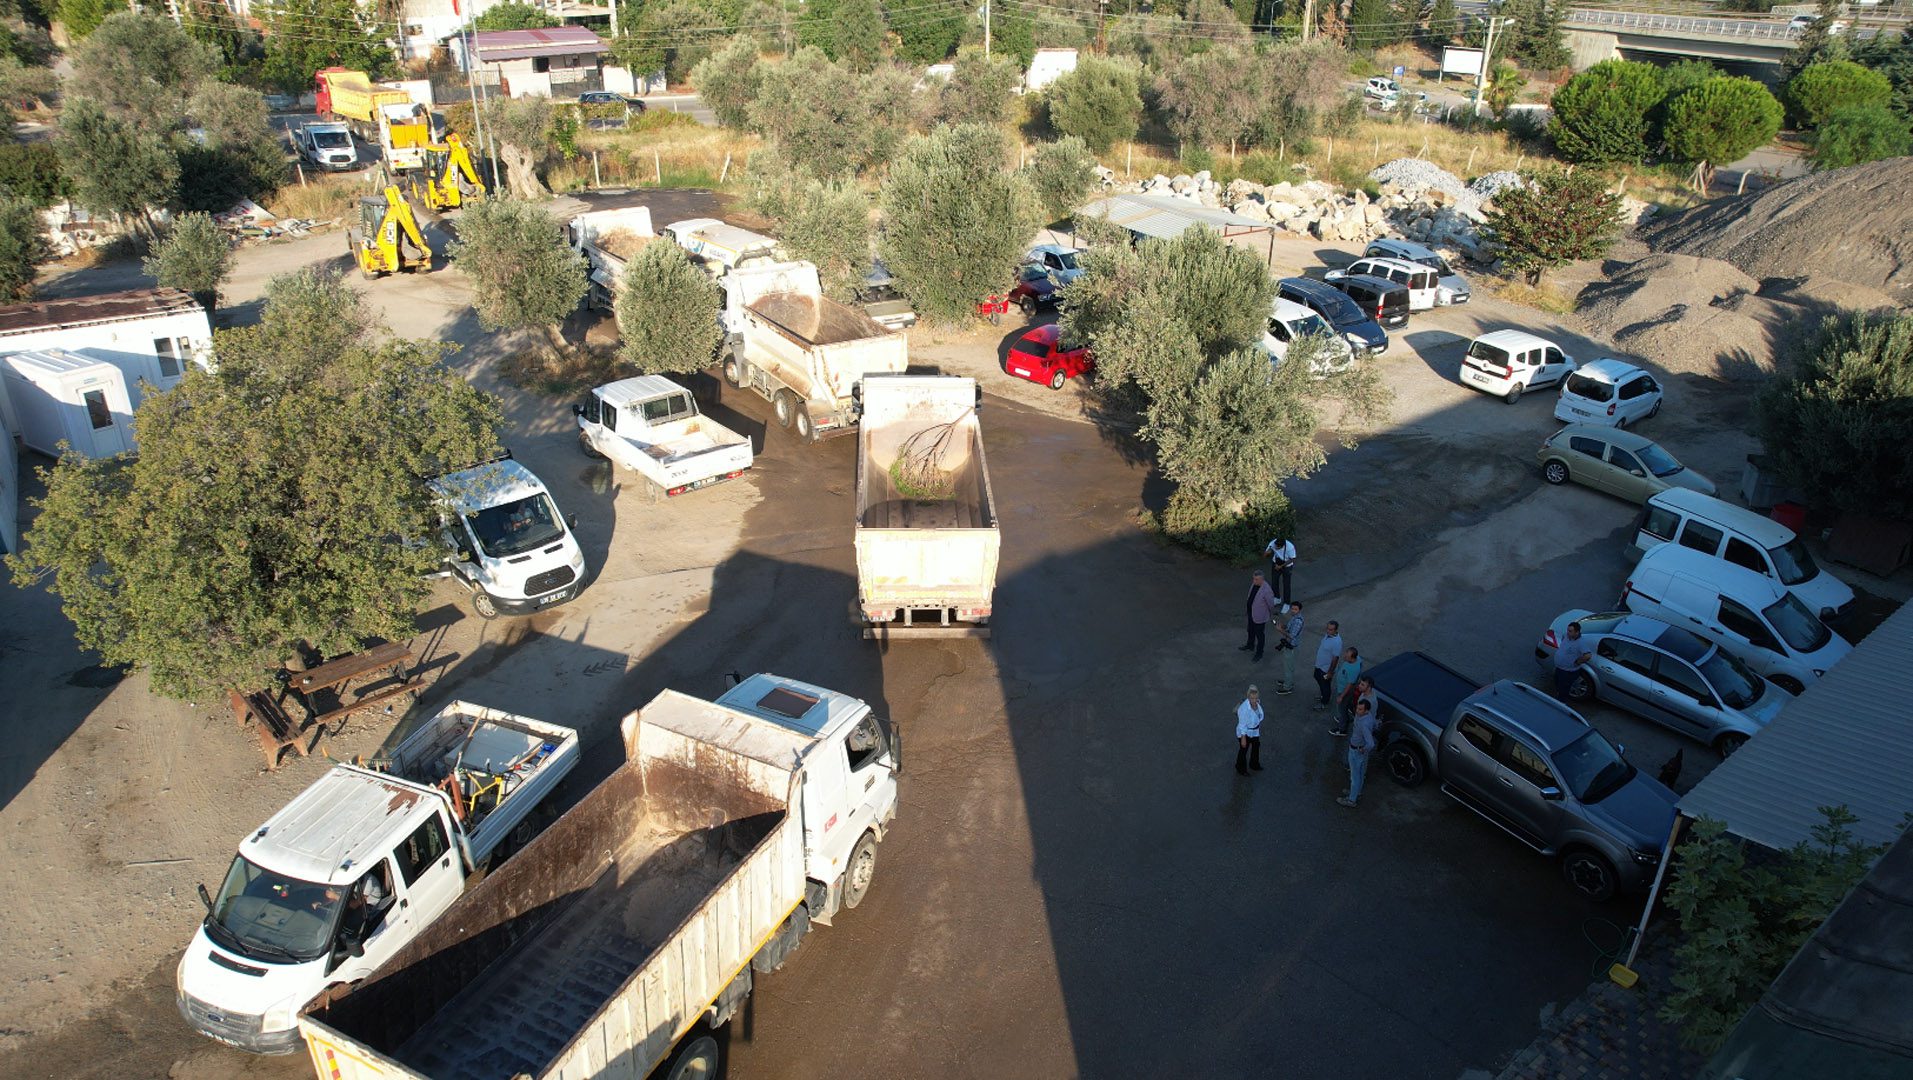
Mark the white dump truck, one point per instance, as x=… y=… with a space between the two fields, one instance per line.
x=926 y=536
x=632 y=928
x=505 y=541
x=720 y=247
x=608 y=239
x=652 y=426
x=361 y=863
x=800 y=350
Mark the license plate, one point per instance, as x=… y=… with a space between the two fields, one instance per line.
x=1025 y=372
x=552 y=599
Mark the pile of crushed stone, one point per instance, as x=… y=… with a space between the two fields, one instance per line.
x=1842 y=237
x=1693 y=315
x=1488 y=185
x=1414 y=175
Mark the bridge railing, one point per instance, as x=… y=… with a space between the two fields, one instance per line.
x=1682 y=24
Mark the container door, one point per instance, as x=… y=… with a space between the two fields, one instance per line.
x=106 y=420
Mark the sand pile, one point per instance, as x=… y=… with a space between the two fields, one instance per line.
x=621 y=242
x=1810 y=235
x=1687 y=314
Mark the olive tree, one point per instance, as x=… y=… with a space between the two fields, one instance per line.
x=1063 y=173
x=23 y=247
x=979 y=89
x=117 y=167
x=1838 y=425
x=276 y=499
x=523 y=127
x=955 y=218
x=667 y=311
x=524 y=275
x=727 y=81
x=193 y=255
x=1100 y=102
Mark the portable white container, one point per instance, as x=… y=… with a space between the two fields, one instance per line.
x=151 y=335
x=54 y=396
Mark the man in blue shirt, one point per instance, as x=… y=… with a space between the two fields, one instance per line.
x=1361 y=743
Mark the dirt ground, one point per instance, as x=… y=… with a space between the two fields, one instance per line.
x=1049 y=865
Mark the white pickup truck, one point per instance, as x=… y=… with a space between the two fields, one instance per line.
x=608 y=239
x=634 y=927
x=652 y=426
x=360 y=863
x=805 y=353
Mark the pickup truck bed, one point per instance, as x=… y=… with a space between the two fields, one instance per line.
x=697 y=436
x=525 y=758
x=1423 y=686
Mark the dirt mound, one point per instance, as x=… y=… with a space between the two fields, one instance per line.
x=1849 y=225
x=1687 y=314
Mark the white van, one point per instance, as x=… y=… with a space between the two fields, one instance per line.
x=1422 y=283
x=1748 y=614
x=1507 y=363
x=507 y=542
x=1744 y=538
x=53 y=396
x=1453 y=288
x=1289 y=321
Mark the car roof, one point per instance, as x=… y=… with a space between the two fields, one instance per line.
x=1045 y=335
x=1735 y=581
x=1608 y=369
x=1762 y=530
x=1626 y=440
x=1393 y=263
x=494 y=483
x=1531 y=711
x=1378 y=284
x=1406 y=247
x=1054 y=249
x=1512 y=340
x=1685 y=644
x=1288 y=310
x=638 y=388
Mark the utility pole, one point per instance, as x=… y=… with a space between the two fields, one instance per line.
x=986 y=29
x=1308 y=19
x=1487 y=59
x=1102 y=22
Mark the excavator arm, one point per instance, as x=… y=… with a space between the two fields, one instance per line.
x=398 y=211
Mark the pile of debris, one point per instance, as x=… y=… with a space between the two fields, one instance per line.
x=247 y=220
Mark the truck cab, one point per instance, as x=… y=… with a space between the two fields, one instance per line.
x=718 y=246
x=652 y=426
x=506 y=541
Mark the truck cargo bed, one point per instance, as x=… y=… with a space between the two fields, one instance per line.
x=817 y=320
x=521 y=1013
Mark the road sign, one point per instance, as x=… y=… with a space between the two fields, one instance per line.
x=1400 y=71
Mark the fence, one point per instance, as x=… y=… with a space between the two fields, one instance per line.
x=1744 y=29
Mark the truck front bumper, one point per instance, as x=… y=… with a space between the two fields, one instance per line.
x=236 y=1029
x=527 y=605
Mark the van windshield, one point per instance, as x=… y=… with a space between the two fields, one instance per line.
x=1481 y=350
x=1793 y=562
x=268 y=916
x=331 y=140
x=1799 y=628
x=1658 y=461
x=1736 y=684
x=512 y=527
x=1592 y=389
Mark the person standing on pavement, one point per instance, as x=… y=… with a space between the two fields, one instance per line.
x=1343 y=690
x=1361 y=743
x=1261 y=609
x=1568 y=658
x=1327 y=656
x=1248 y=734
x=1281 y=553
x=1291 y=641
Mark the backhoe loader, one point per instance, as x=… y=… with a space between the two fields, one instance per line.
x=448 y=178
x=387 y=239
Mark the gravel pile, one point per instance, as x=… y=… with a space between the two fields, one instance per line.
x=1687 y=314
x=1491 y=184
x=1414 y=174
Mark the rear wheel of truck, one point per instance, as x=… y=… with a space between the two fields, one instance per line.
x=1405 y=765
x=806 y=430
x=863 y=866
x=697 y=1058
x=784 y=405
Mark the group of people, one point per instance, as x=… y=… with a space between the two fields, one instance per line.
x=1339 y=679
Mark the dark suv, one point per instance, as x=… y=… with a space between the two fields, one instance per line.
x=1379 y=298
x=1364 y=334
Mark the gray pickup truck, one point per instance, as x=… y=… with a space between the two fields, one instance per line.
x=1529 y=764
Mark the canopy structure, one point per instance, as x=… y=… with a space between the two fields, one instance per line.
x=1165 y=217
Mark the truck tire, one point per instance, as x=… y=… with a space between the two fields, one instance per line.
x=734 y=370
x=1405 y=765
x=698 y=1057
x=584 y=444
x=482 y=603
x=784 y=406
x=1589 y=873
x=806 y=430
x=862 y=867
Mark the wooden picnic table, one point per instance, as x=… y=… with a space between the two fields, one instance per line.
x=264 y=712
x=390 y=660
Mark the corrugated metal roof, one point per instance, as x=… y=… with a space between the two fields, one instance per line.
x=1166 y=217
x=102 y=307
x=494 y=45
x=1847 y=741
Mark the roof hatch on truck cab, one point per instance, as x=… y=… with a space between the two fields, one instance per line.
x=795 y=706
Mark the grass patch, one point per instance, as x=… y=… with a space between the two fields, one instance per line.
x=543 y=370
x=1544 y=296
x=320 y=198
x=658 y=149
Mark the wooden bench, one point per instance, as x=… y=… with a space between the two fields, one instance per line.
x=390 y=660
x=277 y=730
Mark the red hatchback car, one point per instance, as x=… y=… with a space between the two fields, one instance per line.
x=1038 y=357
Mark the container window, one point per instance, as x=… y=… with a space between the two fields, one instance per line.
x=96 y=410
x=168 y=352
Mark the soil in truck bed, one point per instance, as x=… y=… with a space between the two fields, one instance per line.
x=817 y=320
x=530 y=1003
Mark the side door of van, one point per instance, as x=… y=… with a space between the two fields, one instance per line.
x=1421 y=286
x=1551 y=366
x=1746 y=635
x=1522 y=368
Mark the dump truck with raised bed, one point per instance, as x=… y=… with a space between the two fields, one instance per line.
x=607 y=239
x=628 y=932
x=360 y=863
x=653 y=427
x=926 y=536
x=805 y=353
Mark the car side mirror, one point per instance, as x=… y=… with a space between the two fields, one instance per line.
x=205 y=898
x=572 y=522
x=1551 y=793
x=577 y=410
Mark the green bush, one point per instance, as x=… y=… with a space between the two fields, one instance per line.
x=1839 y=426
x=1100 y=102
x=1198 y=524
x=1855 y=134
x=1600 y=115
x=1720 y=120
x=1817 y=91
x=31 y=171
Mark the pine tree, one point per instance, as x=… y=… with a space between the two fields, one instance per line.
x=1444 y=20
x=1371 y=24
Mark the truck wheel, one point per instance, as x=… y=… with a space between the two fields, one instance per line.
x=863 y=865
x=697 y=1058
x=1513 y=395
x=1405 y=765
x=482 y=603
x=584 y=444
x=806 y=430
x=1589 y=873
x=784 y=405
x=733 y=371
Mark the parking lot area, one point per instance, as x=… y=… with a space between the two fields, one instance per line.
x=1077 y=883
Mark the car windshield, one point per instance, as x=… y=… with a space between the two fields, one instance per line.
x=331 y=140
x=1435 y=263
x=1736 y=684
x=269 y=916
x=512 y=527
x=1481 y=350
x=1794 y=562
x=1658 y=461
x=1311 y=325
x=1067 y=260
x=1798 y=627
x=1591 y=389
x=1591 y=767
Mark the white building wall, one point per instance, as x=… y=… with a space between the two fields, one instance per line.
x=128 y=344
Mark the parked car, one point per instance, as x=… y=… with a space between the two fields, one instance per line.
x=1058 y=261
x=1039 y=356
x=1617 y=462
x=1530 y=765
x=1423 y=284
x=1508 y=363
x=1452 y=287
x=1608 y=391
x=1675 y=678
x=607 y=97
x=1033 y=291
x=1744 y=538
x=1382 y=88
x=1290 y=322
x=1748 y=614
x=883 y=301
x=1343 y=315
x=1379 y=298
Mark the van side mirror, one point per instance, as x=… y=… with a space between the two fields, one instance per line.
x=354 y=947
x=577 y=410
x=572 y=522
x=1551 y=793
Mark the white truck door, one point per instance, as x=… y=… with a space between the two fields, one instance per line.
x=376 y=918
x=872 y=779
x=431 y=875
x=828 y=812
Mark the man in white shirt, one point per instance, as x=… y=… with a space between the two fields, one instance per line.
x=1327 y=655
x=1281 y=553
x=1248 y=734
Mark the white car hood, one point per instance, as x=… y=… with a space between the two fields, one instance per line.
x=1454 y=285
x=240 y=993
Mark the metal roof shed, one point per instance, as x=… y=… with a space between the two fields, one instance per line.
x=1165 y=217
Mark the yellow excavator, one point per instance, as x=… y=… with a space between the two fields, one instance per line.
x=387 y=239
x=448 y=178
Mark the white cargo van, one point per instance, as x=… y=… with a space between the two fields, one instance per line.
x=1748 y=614
x=1507 y=363
x=1744 y=538
x=505 y=539
x=54 y=396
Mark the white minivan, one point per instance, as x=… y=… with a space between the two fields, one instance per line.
x=505 y=539
x=1289 y=322
x=1453 y=287
x=1507 y=363
x=1610 y=392
x=1748 y=614
x=1744 y=538
x=1423 y=284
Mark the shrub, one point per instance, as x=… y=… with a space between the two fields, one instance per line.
x=22 y=247
x=1817 y=91
x=1100 y=102
x=193 y=255
x=1838 y=426
x=31 y=171
x=1556 y=219
x=1601 y=114
x=1063 y=173
x=1855 y=134
x=1237 y=536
